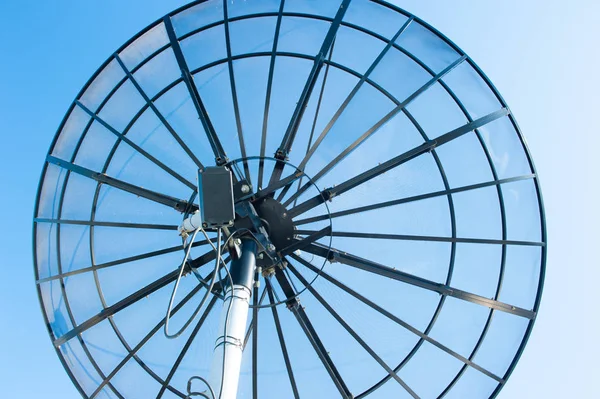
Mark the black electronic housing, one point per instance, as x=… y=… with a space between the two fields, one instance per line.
x=215 y=197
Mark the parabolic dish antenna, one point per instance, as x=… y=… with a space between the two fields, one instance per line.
x=367 y=196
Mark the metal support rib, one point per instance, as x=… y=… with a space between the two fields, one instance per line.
x=130 y=300
x=65 y=298
x=290 y=134
x=335 y=255
x=263 y=141
x=144 y=340
x=304 y=242
x=117 y=307
x=350 y=96
x=117 y=262
x=390 y=316
x=311 y=334
x=353 y=333
x=375 y=127
x=187 y=345
x=316 y=343
x=411 y=199
x=314 y=124
x=383 y=236
x=177 y=204
x=213 y=139
x=250 y=328
x=136 y=147
x=271 y=188
x=158 y=114
x=284 y=352
x=395 y=162
x=108 y=224
x=236 y=107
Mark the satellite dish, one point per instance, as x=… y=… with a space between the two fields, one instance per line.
x=373 y=219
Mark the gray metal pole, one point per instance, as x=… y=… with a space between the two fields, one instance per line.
x=227 y=355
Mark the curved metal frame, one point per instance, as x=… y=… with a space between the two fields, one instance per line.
x=219 y=153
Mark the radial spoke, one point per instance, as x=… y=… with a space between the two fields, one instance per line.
x=353 y=333
x=335 y=255
x=271 y=188
x=177 y=204
x=284 y=351
x=117 y=307
x=314 y=124
x=390 y=316
x=213 y=139
x=131 y=299
x=411 y=199
x=108 y=224
x=144 y=340
x=187 y=345
x=204 y=259
x=292 y=129
x=136 y=147
x=236 y=107
x=381 y=236
x=158 y=114
x=304 y=242
x=120 y=261
x=263 y=141
x=251 y=324
x=376 y=127
x=395 y=162
x=322 y=353
x=350 y=96
x=311 y=334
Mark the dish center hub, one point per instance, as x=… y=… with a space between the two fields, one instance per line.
x=276 y=221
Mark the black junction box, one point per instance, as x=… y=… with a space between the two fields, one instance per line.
x=215 y=196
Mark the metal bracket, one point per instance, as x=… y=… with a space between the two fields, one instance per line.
x=246 y=210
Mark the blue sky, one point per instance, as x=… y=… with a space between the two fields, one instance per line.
x=539 y=54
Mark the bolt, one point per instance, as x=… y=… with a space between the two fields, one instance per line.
x=245 y=188
x=284 y=215
x=260 y=255
x=271 y=247
x=238 y=241
x=205 y=225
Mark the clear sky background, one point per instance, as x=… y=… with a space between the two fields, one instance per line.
x=542 y=55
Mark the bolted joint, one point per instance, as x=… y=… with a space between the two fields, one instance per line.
x=331 y=257
x=293 y=304
x=220 y=161
x=281 y=155
x=327 y=194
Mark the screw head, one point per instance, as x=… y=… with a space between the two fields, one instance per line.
x=271 y=247
x=245 y=188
